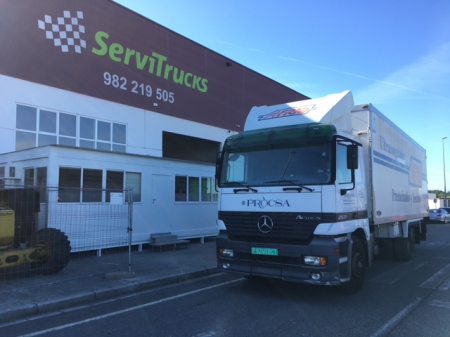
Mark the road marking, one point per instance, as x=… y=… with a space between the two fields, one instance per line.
x=392 y=276
x=206 y=334
x=394 y=321
x=441 y=304
x=115 y=313
x=439 y=243
x=440 y=280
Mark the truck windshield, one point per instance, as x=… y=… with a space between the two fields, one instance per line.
x=306 y=165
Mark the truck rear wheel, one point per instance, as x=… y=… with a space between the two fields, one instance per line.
x=387 y=249
x=405 y=246
x=358 y=268
x=53 y=249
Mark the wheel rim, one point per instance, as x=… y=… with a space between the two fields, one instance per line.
x=44 y=250
x=358 y=264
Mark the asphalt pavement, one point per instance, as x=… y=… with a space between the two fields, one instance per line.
x=89 y=278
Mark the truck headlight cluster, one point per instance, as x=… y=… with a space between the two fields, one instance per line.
x=225 y=252
x=315 y=260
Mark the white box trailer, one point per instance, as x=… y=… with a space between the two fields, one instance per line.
x=312 y=191
x=398 y=172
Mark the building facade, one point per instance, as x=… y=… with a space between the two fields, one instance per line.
x=95 y=96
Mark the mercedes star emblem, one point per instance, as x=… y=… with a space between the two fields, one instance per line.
x=265 y=224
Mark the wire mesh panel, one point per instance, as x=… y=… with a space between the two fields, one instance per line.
x=90 y=225
x=41 y=229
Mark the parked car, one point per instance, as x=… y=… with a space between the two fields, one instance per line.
x=440 y=215
x=446 y=208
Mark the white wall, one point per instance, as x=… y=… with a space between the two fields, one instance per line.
x=144 y=128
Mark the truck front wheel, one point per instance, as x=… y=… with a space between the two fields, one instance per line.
x=358 y=268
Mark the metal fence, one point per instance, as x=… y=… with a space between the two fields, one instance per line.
x=41 y=229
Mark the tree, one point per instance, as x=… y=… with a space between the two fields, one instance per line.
x=439 y=193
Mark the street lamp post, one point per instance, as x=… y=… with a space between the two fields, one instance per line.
x=445 y=186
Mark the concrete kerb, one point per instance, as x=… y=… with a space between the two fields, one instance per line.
x=29 y=310
x=16 y=313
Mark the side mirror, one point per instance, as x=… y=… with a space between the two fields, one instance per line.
x=352 y=157
x=352 y=164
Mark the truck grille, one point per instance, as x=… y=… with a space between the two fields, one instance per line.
x=287 y=229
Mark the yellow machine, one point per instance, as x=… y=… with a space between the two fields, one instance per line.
x=47 y=250
x=6 y=227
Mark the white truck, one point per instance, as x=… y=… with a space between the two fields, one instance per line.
x=312 y=191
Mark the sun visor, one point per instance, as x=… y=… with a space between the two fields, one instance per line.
x=324 y=110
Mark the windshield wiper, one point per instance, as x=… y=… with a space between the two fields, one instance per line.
x=299 y=188
x=246 y=189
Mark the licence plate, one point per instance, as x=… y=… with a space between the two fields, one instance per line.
x=265 y=251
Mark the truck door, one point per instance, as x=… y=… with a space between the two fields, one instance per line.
x=348 y=184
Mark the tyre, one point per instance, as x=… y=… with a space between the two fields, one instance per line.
x=412 y=235
x=52 y=248
x=358 y=268
x=387 y=249
x=405 y=246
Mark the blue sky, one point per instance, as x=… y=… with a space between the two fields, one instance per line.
x=393 y=54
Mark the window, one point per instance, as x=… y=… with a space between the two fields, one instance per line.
x=119 y=137
x=2 y=175
x=344 y=175
x=47 y=121
x=41 y=176
x=41 y=182
x=103 y=146
x=199 y=189
x=133 y=180
x=87 y=132
x=215 y=193
x=67 y=129
x=25 y=140
x=26 y=118
x=180 y=188
x=103 y=131
x=69 y=184
x=37 y=177
x=119 y=133
x=87 y=128
x=103 y=136
x=92 y=185
x=29 y=177
x=67 y=125
x=88 y=184
x=114 y=183
x=47 y=124
x=194 y=189
x=208 y=189
x=39 y=127
x=46 y=140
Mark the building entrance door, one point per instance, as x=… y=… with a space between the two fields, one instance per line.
x=162 y=203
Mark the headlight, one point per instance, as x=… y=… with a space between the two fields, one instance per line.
x=315 y=260
x=226 y=252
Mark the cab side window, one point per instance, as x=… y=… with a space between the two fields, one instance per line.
x=344 y=174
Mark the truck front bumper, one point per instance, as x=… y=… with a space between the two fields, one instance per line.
x=289 y=262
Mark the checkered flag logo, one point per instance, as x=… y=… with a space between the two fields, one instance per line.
x=65 y=31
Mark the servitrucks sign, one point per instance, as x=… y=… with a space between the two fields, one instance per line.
x=101 y=49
